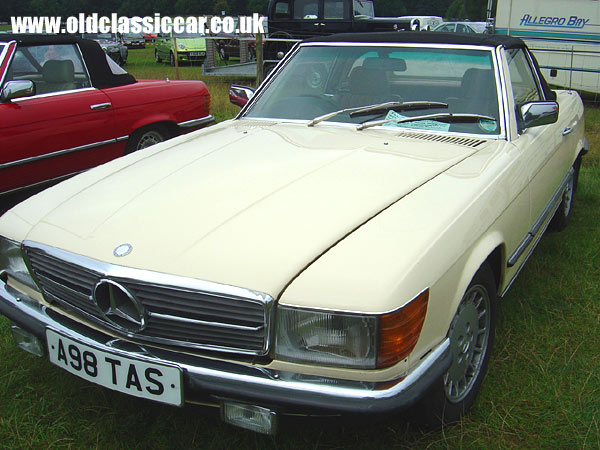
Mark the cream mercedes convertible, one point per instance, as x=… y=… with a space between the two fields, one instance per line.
x=337 y=248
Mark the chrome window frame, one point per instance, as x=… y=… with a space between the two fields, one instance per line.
x=496 y=60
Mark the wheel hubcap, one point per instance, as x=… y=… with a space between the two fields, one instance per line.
x=149 y=138
x=469 y=333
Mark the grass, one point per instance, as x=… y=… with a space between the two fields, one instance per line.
x=140 y=63
x=542 y=390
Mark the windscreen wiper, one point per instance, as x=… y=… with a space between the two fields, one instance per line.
x=397 y=107
x=441 y=117
x=378 y=108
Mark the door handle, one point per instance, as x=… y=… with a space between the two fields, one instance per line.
x=567 y=130
x=100 y=106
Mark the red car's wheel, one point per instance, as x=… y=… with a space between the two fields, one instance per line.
x=146 y=137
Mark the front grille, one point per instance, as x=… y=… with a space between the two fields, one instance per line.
x=175 y=315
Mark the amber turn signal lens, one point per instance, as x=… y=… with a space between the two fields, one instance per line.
x=399 y=331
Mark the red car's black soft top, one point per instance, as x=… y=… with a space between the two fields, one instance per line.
x=93 y=55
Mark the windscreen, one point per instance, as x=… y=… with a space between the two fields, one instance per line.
x=322 y=79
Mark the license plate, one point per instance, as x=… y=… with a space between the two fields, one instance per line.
x=197 y=53
x=131 y=376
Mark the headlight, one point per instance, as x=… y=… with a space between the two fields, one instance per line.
x=181 y=46
x=349 y=340
x=11 y=260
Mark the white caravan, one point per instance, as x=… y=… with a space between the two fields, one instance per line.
x=564 y=35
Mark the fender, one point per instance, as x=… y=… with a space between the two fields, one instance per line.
x=152 y=119
x=479 y=254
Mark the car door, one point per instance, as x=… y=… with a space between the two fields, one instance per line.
x=336 y=15
x=547 y=164
x=163 y=46
x=66 y=127
x=308 y=16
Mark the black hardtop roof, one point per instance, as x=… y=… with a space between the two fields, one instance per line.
x=424 y=37
x=95 y=59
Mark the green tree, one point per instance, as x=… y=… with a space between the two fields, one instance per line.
x=258 y=6
x=389 y=8
x=220 y=6
x=475 y=9
x=456 y=10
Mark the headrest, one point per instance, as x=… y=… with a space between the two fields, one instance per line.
x=386 y=64
x=58 y=71
x=368 y=81
x=477 y=77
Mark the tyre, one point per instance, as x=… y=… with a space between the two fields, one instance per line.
x=274 y=49
x=471 y=335
x=563 y=213
x=156 y=56
x=146 y=137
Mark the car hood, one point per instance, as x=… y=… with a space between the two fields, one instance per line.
x=192 y=44
x=242 y=203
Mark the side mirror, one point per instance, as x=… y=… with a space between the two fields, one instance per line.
x=17 y=89
x=535 y=114
x=240 y=95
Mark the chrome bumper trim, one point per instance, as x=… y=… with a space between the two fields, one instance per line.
x=196 y=122
x=215 y=379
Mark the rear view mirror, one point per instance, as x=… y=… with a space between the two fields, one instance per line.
x=239 y=95
x=535 y=114
x=17 y=89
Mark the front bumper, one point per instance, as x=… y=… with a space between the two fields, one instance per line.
x=211 y=381
x=192 y=56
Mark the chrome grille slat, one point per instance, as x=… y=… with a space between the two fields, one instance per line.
x=74 y=284
x=202 y=322
x=185 y=298
x=184 y=333
x=79 y=271
x=237 y=315
x=51 y=285
x=73 y=301
x=175 y=315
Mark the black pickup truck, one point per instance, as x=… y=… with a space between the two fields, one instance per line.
x=300 y=19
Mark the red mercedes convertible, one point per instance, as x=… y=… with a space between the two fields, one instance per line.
x=66 y=107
